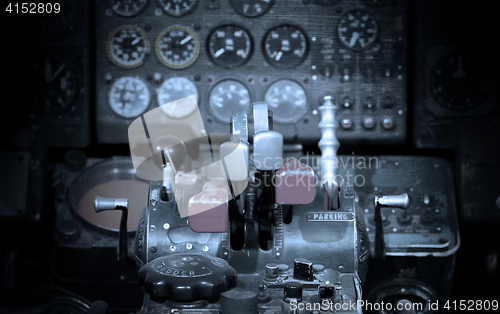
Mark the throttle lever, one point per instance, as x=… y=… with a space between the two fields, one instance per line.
x=105 y=204
x=399 y=201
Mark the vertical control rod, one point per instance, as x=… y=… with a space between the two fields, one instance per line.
x=329 y=146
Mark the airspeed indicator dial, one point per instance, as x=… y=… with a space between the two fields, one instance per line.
x=285 y=46
x=287 y=100
x=178 y=7
x=177 y=47
x=228 y=97
x=230 y=46
x=128 y=8
x=358 y=30
x=460 y=80
x=127 y=46
x=129 y=97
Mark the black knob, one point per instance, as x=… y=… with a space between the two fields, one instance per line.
x=293 y=290
x=187 y=277
x=303 y=269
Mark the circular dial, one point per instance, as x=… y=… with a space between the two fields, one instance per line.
x=52 y=85
x=460 y=80
x=177 y=47
x=173 y=89
x=230 y=46
x=129 y=97
x=128 y=8
x=127 y=46
x=251 y=8
x=178 y=7
x=285 y=46
x=357 y=30
x=287 y=100
x=228 y=97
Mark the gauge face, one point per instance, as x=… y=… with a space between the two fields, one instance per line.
x=129 y=97
x=229 y=97
x=178 y=7
x=127 y=47
x=52 y=85
x=251 y=8
x=287 y=100
x=285 y=46
x=177 y=47
x=460 y=80
x=173 y=89
x=230 y=46
x=128 y=8
x=358 y=30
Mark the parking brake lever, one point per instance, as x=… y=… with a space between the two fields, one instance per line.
x=329 y=146
x=103 y=204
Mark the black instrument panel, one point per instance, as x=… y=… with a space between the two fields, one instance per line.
x=230 y=54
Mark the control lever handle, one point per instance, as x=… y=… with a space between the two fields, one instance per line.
x=399 y=201
x=104 y=204
x=329 y=145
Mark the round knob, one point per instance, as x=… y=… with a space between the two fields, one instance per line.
x=187 y=277
x=172 y=147
x=293 y=290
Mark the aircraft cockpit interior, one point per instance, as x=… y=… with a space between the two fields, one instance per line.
x=249 y=157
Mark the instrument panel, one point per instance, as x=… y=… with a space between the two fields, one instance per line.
x=230 y=54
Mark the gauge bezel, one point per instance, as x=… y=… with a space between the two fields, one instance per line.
x=110 y=3
x=176 y=77
x=134 y=116
x=337 y=32
x=182 y=14
x=304 y=111
x=216 y=83
x=435 y=107
x=222 y=64
x=287 y=65
x=196 y=49
x=110 y=38
x=271 y=2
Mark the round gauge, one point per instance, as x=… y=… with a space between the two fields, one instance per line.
x=358 y=30
x=127 y=46
x=230 y=46
x=129 y=97
x=178 y=7
x=287 y=100
x=173 y=89
x=128 y=8
x=52 y=85
x=251 y=8
x=177 y=47
x=228 y=97
x=460 y=80
x=285 y=46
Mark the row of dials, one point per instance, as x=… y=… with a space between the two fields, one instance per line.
x=231 y=46
x=130 y=97
x=178 y=8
